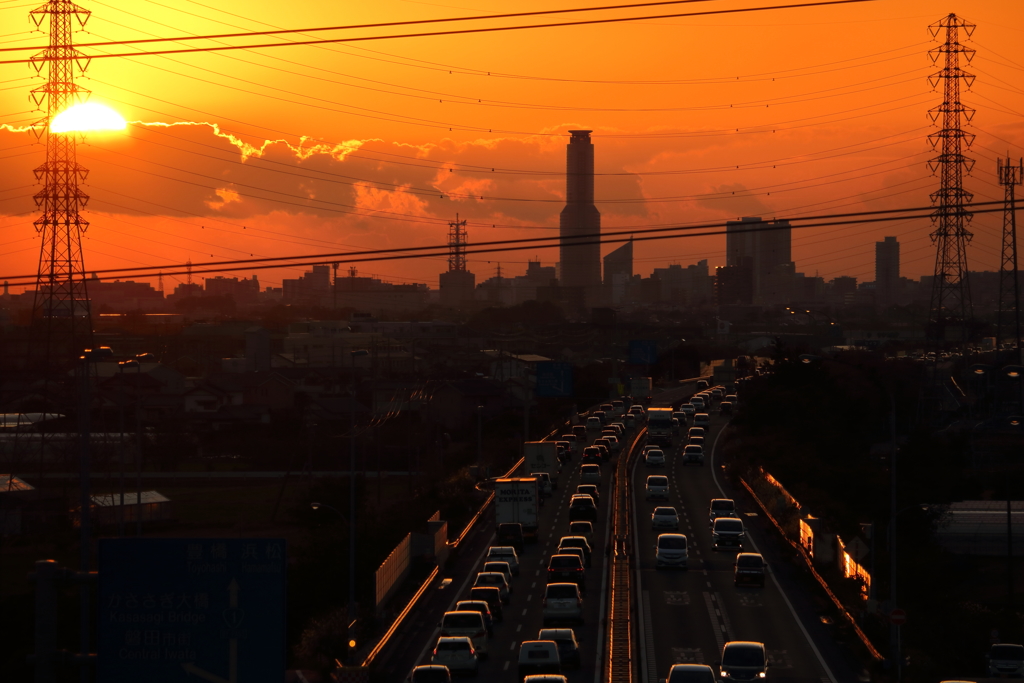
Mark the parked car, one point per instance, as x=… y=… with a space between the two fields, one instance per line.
x=749 y=568
x=743 y=660
x=538 y=657
x=657 y=487
x=457 y=654
x=665 y=518
x=568 y=646
x=671 y=550
x=562 y=602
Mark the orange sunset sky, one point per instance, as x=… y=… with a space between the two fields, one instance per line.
x=796 y=112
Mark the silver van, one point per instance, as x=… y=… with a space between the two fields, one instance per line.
x=465 y=624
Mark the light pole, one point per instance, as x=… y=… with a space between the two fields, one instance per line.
x=351 y=560
x=479 y=440
x=89 y=357
x=120 y=376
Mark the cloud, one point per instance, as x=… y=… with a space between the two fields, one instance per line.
x=733 y=200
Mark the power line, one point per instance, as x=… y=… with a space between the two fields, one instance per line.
x=549 y=242
x=492 y=29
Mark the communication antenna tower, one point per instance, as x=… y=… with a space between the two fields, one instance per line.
x=188 y=273
x=456 y=245
x=1008 y=320
x=951 y=292
x=60 y=313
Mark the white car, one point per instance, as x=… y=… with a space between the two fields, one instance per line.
x=495 y=579
x=543 y=482
x=693 y=453
x=654 y=458
x=468 y=624
x=457 y=654
x=504 y=553
x=665 y=518
x=590 y=474
x=702 y=420
x=671 y=551
x=562 y=601
x=657 y=487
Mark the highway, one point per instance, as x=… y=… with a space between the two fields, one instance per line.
x=686 y=616
x=523 y=614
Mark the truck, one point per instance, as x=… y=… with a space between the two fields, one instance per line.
x=517 y=501
x=542 y=456
x=659 y=426
x=640 y=390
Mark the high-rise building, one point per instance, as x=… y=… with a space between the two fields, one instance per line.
x=580 y=221
x=618 y=271
x=766 y=247
x=887 y=271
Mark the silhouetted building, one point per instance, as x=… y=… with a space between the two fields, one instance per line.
x=580 y=221
x=767 y=245
x=734 y=284
x=456 y=288
x=120 y=296
x=618 y=271
x=312 y=288
x=691 y=286
x=244 y=291
x=887 y=271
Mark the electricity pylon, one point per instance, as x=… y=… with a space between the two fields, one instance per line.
x=1008 y=320
x=951 y=292
x=61 y=319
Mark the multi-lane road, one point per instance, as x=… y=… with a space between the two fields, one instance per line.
x=686 y=616
x=681 y=615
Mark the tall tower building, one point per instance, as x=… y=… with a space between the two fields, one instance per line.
x=887 y=270
x=580 y=221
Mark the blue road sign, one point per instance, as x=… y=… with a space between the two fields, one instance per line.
x=554 y=379
x=181 y=610
x=643 y=352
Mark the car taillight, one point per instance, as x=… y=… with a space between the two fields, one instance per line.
x=434 y=652
x=544 y=602
x=480 y=634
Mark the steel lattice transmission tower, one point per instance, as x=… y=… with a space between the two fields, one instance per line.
x=62 y=324
x=951 y=292
x=457 y=245
x=1008 y=320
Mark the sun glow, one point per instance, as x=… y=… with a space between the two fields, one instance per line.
x=86 y=117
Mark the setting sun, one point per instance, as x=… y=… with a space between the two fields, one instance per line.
x=86 y=117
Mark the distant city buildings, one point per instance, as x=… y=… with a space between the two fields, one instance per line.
x=618 y=271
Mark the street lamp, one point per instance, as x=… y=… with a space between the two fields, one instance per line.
x=479 y=439
x=351 y=562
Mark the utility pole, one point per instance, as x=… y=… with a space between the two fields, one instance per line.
x=456 y=245
x=61 y=320
x=1008 y=320
x=951 y=293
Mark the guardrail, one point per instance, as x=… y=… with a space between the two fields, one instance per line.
x=619 y=654
x=382 y=643
x=810 y=565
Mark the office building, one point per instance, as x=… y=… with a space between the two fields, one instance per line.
x=580 y=221
x=766 y=248
x=618 y=271
x=887 y=271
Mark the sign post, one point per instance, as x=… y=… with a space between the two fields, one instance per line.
x=898 y=617
x=172 y=610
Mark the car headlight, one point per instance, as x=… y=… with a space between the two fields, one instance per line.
x=725 y=674
x=761 y=674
